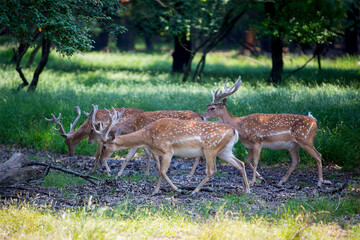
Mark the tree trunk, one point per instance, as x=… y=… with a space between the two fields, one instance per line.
x=182 y=53
x=102 y=42
x=277 y=61
x=276 y=46
x=18 y=55
x=318 y=50
x=32 y=56
x=148 y=41
x=351 y=32
x=126 y=41
x=46 y=43
x=16 y=170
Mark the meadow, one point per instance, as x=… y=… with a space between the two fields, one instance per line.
x=144 y=80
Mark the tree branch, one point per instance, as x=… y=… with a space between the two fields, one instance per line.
x=86 y=177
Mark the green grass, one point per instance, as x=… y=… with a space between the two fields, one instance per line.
x=61 y=180
x=232 y=218
x=145 y=81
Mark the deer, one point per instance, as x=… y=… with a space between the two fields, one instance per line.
x=274 y=131
x=73 y=137
x=167 y=137
x=136 y=123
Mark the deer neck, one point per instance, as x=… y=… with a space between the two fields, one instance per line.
x=131 y=140
x=81 y=133
x=226 y=117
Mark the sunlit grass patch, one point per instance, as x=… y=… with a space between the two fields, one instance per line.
x=126 y=220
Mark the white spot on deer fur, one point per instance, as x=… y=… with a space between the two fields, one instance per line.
x=275 y=134
x=309 y=129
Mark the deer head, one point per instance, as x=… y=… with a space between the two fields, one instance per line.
x=217 y=106
x=68 y=140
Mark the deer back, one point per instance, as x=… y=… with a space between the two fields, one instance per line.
x=284 y=127
x=147 y=118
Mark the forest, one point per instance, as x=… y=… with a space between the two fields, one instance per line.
x=173 y=119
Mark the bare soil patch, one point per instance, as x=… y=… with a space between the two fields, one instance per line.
x=137 y=188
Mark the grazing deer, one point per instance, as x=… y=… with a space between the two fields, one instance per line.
x=186 y=138
x=273 y=131
x=136 y=123
x=73 y=137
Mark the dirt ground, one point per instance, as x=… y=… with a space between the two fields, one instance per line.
x=109 y=192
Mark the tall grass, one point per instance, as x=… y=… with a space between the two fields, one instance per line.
x=144 y=81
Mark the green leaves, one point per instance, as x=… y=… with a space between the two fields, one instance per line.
x=304 y=22
x=65 y=23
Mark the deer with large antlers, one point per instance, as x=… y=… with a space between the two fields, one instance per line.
x=273 y=131
x=187 y=138
x=136 y=123
x=73 y=137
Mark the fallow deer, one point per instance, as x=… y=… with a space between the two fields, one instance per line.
x=273 y=131
x=187 y=138
x=73 y=137
x=139 y=121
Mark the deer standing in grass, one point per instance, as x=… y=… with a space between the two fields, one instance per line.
x=73 y=137
x=185 y=138
x=273 y=131
x=136 y=123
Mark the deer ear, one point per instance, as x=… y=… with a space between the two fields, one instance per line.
x=224 y=101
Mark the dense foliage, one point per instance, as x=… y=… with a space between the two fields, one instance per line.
x=66 y=24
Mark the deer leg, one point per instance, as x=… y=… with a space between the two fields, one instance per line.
x=317 y=156
x=295 y=159
x=164 y=166
x=239 y=165
x=107 y=168
x=248 y=162
x=97 y=157
x=130 y=154
x=256 y=155
x=210 y=169
x=157 y=161
x=148 y=158
x=196 y=163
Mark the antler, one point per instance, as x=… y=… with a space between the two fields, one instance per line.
x=57 y=122
x=114 y=119
x=91 y=116
x=217 y=96
x=77 y=108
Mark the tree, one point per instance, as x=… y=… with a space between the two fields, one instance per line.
x=64 y=24
x=304 y=22
x=198 y=26
x=352 y=26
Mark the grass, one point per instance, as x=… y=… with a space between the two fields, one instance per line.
x=226 y=219
x=61 y=180
x=144 y=81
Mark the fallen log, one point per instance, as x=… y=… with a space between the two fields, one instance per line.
x=16 y=170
